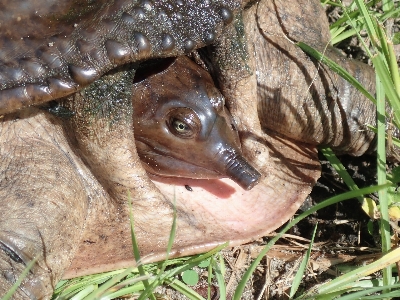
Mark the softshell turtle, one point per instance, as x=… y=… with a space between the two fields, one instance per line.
x=64 y=183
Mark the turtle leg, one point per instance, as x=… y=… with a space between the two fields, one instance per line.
x=297 y=96
x=43 y=203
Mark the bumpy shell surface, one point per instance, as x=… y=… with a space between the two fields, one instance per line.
x=49 y=49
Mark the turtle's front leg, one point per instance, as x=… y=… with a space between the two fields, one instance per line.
x=43 y=202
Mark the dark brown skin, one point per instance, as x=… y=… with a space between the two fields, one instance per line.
x=183 y=129
x=50 y=49
x=64 y=184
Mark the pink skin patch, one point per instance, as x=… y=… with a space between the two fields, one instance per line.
x=214 y=212
x=216 y=188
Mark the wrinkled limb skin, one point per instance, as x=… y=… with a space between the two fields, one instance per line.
x=44 y=200
x=51 y=50
x=296 y=96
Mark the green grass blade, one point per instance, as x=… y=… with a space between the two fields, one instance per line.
x=136 y=252
x=336 y=68
x=171 y=239
x=76 y=285
x=369 y=23
x=365 y=292
x=158 y=280
x=353 y=15
x=197 y=259
x=209 y=278
x=388 y=85
x=330 y=201
x=302 y=268
x=99 y=293
x=345 y=281
x=189 y=264
x=383 y=46
x=184 y=289
x=85 y=292
x=338 y=166
x=395 y=75
x=387 y=5
x=390 y=295
x=381 y=173
x=172 y=233
x=219 y=268
x=15 y=286
x=119 y=291
x=394 y=13
x=337 y=38
x=357 y=20
x=393 y=67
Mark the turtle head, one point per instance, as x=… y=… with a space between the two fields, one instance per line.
x=183 y=128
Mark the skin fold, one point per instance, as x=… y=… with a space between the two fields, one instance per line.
x=65 y=182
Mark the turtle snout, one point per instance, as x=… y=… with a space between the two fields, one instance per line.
x=239 y=170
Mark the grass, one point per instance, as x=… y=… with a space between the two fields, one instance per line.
x=141 y=280
x=16 y=285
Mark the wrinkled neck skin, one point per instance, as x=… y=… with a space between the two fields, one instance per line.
x=207 y=145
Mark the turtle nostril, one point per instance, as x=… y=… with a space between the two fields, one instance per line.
x=243 y=173
x=239 y=170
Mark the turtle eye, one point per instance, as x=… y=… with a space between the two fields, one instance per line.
x=183 y=122
x=180 y=126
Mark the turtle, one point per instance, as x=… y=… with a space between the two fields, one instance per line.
x=66 y=181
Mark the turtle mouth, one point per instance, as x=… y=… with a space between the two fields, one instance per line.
x=228 y=164
x=160 y=163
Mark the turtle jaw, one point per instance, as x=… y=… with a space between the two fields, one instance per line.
x=161 y=163
x=228 y=163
